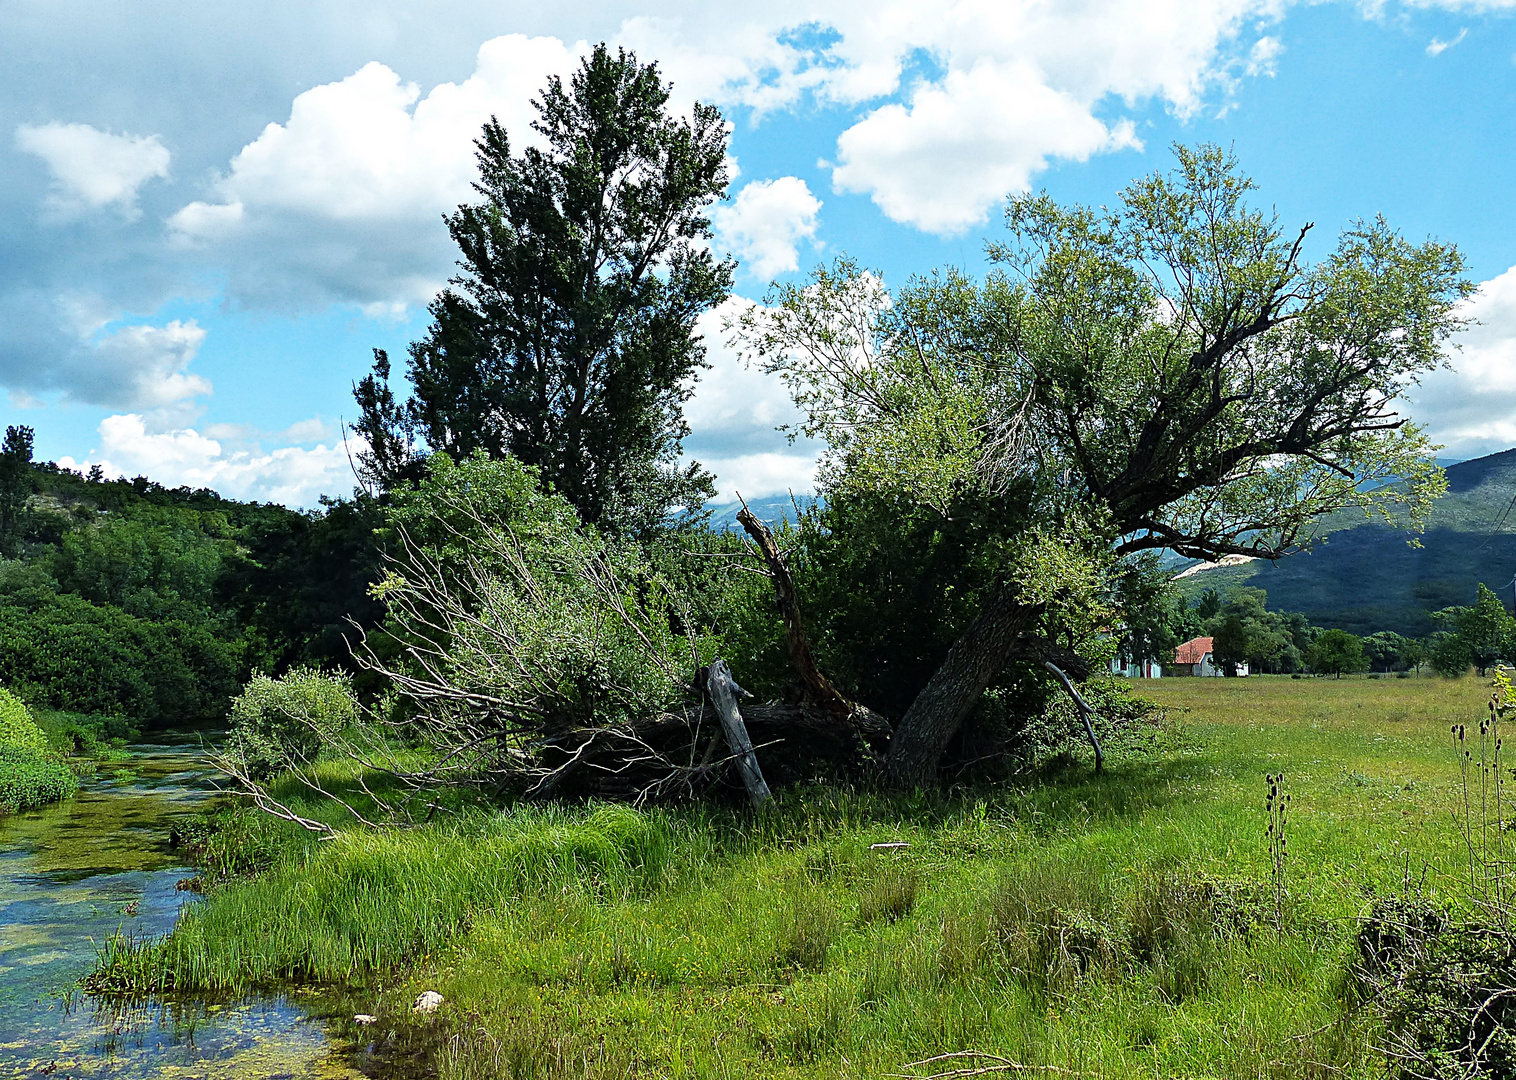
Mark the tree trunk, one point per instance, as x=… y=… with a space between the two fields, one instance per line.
x=973 y=662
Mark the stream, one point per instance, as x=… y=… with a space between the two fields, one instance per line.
x=73 y=874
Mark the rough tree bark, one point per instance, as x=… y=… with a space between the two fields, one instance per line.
x=723 y=691
x=979 y=654
x=1000 y=634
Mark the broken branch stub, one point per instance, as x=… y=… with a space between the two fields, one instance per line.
x=723 y=691
x=1085 y=712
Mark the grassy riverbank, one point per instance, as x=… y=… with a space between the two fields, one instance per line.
x=1115 y=925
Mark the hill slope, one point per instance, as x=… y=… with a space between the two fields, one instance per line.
x=1365 y=577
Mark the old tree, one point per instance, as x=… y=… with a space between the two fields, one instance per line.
x=1172 y=373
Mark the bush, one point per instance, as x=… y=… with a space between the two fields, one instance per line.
x=277 y=723
x=31 y=778
x=17 y=728
x=72 y=733
x=30 y=775
x=1441 y=988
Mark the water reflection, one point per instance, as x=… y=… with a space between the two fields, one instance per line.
x=73 y=874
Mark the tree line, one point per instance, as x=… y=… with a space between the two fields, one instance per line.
x=1245 y=632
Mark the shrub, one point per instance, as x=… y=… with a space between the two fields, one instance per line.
x=17 y=728
x=1441 y=988
x=277 y=723
x=30 y=775
x=64 y=652
x=31 y=778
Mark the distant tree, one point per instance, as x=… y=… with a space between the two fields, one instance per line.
x=1267 y=641
x=1386 y=651
x=1415 y=653
x=1231 y=642
x=1336 y=652
x=1145 y=600
x=301 y=579
x=1482 y=635
x=568 y=338
x=1208 y=606
x=15 y=486
x=1185 y=620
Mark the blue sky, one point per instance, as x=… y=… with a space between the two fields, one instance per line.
x=212 y=214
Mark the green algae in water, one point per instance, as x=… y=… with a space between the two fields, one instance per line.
x=75 y=873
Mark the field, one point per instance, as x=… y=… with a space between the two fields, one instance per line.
x=1129 y=924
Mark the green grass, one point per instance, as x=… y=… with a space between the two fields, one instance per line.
x=1120 y=925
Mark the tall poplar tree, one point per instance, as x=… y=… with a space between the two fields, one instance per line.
x=568 y=339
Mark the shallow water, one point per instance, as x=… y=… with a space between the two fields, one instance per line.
x=73 y=874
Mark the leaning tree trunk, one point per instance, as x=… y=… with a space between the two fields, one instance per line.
x=971 y=665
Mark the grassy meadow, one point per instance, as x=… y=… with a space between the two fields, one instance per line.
x=1119 y=925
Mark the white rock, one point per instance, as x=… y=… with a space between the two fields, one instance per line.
x=428 y=1002
x=365 y=1018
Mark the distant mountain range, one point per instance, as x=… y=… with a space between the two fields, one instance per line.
x=1363 y=576
x=771 y=511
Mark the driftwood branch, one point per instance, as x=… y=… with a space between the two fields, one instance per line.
x=723 y=692
x=1085 y=712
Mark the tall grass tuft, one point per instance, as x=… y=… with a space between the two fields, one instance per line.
x=366 y=902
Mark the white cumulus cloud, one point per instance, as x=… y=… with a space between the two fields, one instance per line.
x=340 y=203
x=757 y=476
x=767 y=221
x=93 y=169
x=734 y=417
x=1471 y=408
x=993 y=93
x=292 y=475
x=960 y=147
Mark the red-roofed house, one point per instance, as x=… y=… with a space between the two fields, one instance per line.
x=1197 y=657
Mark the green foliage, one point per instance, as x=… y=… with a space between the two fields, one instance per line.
x=73 y=734
x=30 y=773
x=160 y=563
x=1388 y=651
x=63 y=652
x=1336 y=652
x=1165 y=373
x=568 y=339
x=284 y=722
x=886 y=586
x=15 y=486
x=17 y=728
x=1482 y=635
x=517 y=620
x=1441 y=986
x=31 y=778
x=300 y=578
x=1247 y=632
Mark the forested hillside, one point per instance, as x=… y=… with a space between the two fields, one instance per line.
x=1365 y=577
x=124 y=597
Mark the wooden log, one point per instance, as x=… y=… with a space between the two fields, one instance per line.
x=723 y=693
